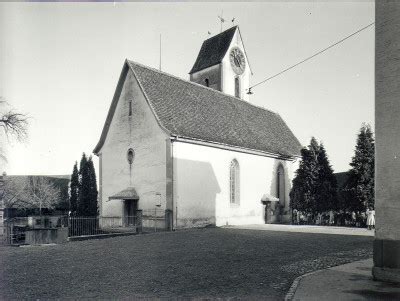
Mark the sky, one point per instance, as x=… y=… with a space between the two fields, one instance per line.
x=60 y=63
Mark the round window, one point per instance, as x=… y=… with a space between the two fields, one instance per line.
x=130 y=155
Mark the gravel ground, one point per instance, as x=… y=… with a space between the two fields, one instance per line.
x=201 y=263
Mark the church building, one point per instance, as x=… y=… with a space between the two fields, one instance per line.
x=198 y=149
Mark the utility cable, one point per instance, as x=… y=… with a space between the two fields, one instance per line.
x=309 y=58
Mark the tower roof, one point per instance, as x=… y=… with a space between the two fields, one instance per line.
x=213 y=50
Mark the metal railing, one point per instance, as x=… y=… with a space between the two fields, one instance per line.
x=152 y=220
x=14 y=230
x=84 y=226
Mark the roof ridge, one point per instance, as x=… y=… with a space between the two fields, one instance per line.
x=201 y=86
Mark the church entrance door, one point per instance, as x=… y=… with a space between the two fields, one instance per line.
x=130 y=212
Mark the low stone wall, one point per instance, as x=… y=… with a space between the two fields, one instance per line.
x=151 y=223
x=46 y=236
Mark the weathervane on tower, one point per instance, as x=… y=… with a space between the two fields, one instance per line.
x=221 y=19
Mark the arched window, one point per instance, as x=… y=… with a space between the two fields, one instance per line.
x=237 y=87
x=280 y=189
x=234 y=180
x=207 y=82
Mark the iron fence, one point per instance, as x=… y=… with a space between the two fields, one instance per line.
x=14 y=230
x=84 y=226
x=152 y=220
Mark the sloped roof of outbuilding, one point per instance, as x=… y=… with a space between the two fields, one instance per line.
x=192 y=111
x=213 y=50
x=128 y=193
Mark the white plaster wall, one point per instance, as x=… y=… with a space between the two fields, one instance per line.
x=201 y=185
x=228 y=75
x=213 y=74
x=142 y=133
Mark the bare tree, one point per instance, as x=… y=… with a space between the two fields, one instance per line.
x=43 y=193
x=12 y=124
x=30 y=192
x=14 y=192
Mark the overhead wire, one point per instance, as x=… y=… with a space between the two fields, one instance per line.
x=309 y=58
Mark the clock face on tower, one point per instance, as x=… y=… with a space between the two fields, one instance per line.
x=238 y=61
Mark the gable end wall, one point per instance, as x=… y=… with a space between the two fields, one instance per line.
x=142 y=133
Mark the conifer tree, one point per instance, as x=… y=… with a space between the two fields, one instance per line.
x=314 y=187
x=74 y=189
x=87 y=188
x=303 y=193
x=360 y=183
x=84 y=187
x=92 y=206
x=298 y=199
x=326 y=190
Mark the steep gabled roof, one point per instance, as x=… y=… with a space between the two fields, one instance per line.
x=192 y=111
x=213 y=50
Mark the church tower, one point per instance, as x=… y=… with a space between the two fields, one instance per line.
x=222 y=64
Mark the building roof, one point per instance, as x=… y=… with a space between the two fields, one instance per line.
x=192 y=111
x=213 y=50
x=128 y=193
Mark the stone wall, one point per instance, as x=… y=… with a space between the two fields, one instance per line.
x=1 y=205
x=387 y=112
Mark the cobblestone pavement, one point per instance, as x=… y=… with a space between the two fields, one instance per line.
x=206 y=263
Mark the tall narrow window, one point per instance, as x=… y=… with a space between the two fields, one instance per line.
x=130 y=108
x=237 y=87
x=234 y=180
x=207 y=82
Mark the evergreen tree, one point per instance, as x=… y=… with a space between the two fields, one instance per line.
x=326 y=190
x=74 y=190
x=314 y=187
x=92 y=206
x=303 y=193
x=360 y=183
x=84 y=187
x=297 y=195
x=87 y=195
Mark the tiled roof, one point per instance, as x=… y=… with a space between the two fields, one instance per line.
x=189 y=110
x=127 y=194
x=213 y=50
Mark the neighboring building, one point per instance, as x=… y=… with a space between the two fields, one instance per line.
x=198 y=147
x=387 y=145
x=16 y=201
x=1 y=204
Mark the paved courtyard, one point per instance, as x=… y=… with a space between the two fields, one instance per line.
x=211 y=262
